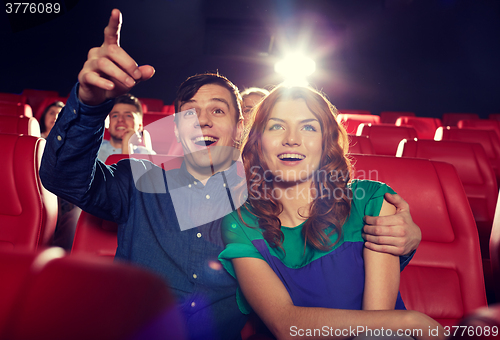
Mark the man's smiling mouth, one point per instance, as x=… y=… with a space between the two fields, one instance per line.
x=205 y=140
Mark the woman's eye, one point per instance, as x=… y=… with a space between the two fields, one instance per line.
x=275 y=127
x=309 y=128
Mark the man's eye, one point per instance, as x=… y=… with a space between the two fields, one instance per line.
x=309 y=128
x=218 y=111
x=189 y=113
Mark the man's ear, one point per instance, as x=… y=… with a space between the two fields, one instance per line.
x=240 y=127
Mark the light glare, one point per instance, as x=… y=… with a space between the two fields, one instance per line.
x=295 y=68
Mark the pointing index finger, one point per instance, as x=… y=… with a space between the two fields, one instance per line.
x=112 y=31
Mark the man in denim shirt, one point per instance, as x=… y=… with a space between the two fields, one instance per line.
x=149 y=233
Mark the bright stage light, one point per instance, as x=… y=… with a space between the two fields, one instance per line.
x=295 y=69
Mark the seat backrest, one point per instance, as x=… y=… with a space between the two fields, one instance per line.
x=495 y=251
x=62 y=297
x=390 y=117
x=444 y=279
x=35 y=97
x=385 y=138
x=475 y=172
x=351 y=121
x=494 y=116
x=161 y=129
x=483 y=124
x=19 y=125
x=12 y=98
x=357 y=112
x=360 y=144
x=487 y=138
x=96 y=236
x=425 y=127
x=451 y=119
x=15 y=109
x=152 y=104
x=46 y=102
x=168 y=109
x=28 y=212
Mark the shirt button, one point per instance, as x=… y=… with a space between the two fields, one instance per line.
x=59 y=138
x=198 y=235
x=195 y=276
x=224 y=185
x=207 y=197
x=74 y=111
x=189 y=185
x=193 y=304
x=195 y=183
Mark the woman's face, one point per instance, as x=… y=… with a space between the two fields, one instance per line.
x=50 y=117
x=292 y=142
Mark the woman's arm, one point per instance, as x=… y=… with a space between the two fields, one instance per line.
x=269 y=298
x=381 y=274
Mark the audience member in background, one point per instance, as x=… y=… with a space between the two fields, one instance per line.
x=125 y=122
x=48 y=117
x=251 y=97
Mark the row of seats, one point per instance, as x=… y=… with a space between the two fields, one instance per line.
x=31 y=103
x=444 y=280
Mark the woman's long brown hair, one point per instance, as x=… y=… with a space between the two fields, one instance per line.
x=332 y=203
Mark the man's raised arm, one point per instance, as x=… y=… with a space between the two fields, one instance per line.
x=70 y=168
x=109 y=71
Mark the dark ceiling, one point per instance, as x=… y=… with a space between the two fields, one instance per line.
x=425 y=56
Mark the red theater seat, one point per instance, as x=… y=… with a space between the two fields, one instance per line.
x=152 y=104
x=12 y=98
x=351 y=121
x=357 y=112
x=161 y=129
x=48 y=295
x=15 y=109
x=488 y=139
x=495 y=251
x=494 y=116
x=46 y=102
x=478 y=179
x=444 y=279
x=425 y=127
x=35 y=97
x=168 y=109
x=451 y=119
x=360 y=144
x=28 y=212
x=385 y=138
x=482 y=124
x=19 y=125
x=390 y=117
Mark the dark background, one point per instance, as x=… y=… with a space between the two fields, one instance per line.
x=425 y=56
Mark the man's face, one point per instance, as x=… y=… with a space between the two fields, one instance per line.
x=207 y=128
x=123 y=118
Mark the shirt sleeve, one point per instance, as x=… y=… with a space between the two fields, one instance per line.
x=70 y=168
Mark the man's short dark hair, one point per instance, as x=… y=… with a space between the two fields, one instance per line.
x=130 y=100
x=190 y=86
